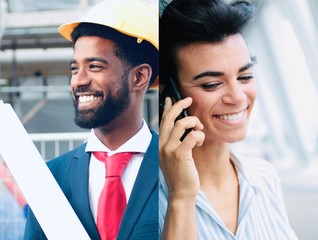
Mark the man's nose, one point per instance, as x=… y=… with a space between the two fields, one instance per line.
x=81 y=78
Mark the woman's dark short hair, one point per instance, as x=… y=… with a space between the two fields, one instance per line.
x=127 y=48
x=184 y=22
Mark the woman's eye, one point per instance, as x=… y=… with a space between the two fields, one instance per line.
x=245 y=78
x=211 y=86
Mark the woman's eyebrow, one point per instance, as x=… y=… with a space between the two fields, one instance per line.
x=246 y=66
x=217 y=73
x=208 y=74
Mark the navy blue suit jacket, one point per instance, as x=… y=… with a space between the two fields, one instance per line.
x=140 y=220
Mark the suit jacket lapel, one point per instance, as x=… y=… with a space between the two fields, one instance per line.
x=80 y=196
x=146 y=180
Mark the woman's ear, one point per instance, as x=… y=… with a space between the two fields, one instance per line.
x=142 y=75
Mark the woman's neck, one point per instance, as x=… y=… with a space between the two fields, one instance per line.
x=213 y=164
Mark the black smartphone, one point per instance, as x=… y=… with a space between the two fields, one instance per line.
x=176 y=96
x=171 y=90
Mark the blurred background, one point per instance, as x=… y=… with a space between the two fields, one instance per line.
x=34 y=78
x=284 y=124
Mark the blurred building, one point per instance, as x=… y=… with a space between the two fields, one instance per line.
x=283 y=128
x=34 y=79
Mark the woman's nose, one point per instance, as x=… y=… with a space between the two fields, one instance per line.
x=234 y=94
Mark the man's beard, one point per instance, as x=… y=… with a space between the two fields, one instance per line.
x=111 y=108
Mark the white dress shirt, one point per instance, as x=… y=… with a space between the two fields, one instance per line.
x=262 y=213
x=97 y=172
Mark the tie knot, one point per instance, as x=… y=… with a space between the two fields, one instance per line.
x=115 y=164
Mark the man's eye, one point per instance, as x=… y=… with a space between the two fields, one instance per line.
x=72 y=68
x=95 y=67
x=211 y=86
x=245 y=78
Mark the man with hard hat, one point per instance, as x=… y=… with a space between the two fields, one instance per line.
x=115 y=61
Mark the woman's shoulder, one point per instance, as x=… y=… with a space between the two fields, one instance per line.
x=256 y=167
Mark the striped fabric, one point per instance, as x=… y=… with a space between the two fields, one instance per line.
x=262 y=213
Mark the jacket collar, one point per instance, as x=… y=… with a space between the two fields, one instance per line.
x=146 y=181
x=80 y=192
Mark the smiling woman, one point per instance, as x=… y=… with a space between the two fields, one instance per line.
x=206 y=190
x=219 y=79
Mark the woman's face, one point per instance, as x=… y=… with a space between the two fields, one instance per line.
x=219 y=79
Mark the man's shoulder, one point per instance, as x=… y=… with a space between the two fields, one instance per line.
x=153 y=146
x=67 y=157
x=154 y=134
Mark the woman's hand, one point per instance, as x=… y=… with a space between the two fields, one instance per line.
x=176 y=161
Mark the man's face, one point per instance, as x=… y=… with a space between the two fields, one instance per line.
x=219 y=78
x=99 y=82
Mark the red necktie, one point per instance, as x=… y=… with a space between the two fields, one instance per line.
x=112 y=200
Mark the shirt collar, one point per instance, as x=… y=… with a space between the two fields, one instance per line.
x=242 y=172
x=138 y=143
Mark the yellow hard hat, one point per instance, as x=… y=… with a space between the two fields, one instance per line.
x=131 y=17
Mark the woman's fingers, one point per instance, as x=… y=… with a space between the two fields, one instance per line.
x=169 y=116
x=176 y=159
x=171 y=130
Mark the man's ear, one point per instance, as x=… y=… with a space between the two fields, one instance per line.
x=142 y=75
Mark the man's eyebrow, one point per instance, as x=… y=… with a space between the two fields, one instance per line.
x=91 y=59
x=98 y=59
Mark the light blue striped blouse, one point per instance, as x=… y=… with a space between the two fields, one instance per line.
x=262 y=213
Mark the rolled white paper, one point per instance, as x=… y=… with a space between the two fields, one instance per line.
x=47 y=201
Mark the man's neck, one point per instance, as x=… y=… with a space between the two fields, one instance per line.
x=115 y=134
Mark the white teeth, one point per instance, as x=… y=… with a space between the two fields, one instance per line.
x=232 y=117
x=85 y=99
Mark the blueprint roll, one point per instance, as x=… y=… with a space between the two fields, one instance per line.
x=35 y=180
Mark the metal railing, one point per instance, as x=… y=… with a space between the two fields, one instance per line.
x=12 y=218
x=51 y=145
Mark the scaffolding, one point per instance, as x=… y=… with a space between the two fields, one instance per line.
x=3 y=11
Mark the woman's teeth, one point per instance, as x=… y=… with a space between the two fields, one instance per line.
x=231 y=117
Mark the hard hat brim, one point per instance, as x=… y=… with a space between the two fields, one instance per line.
x=66 y=32
x=130 y=17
